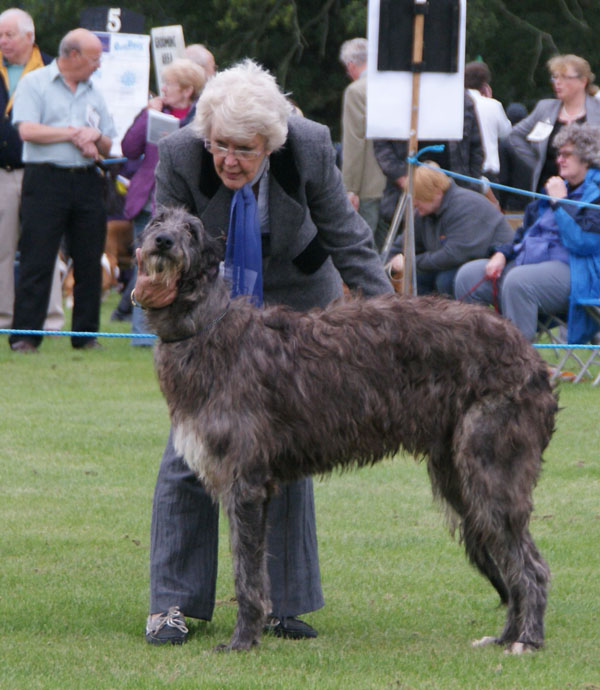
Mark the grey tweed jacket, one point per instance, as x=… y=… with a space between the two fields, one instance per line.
x=316 y=238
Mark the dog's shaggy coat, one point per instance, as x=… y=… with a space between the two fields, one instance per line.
x=258 y=397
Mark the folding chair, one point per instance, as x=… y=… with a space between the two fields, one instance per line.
x=515 y=220
x=592 y=307
x=554 y=327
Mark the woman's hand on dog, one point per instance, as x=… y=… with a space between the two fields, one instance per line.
x=149 y=293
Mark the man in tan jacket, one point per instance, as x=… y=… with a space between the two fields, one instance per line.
x=363 y=178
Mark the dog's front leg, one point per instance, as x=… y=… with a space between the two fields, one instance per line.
x=246 y=507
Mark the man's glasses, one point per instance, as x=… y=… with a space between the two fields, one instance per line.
x=240 y=154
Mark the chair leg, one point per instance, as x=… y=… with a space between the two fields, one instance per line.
x=584 y=369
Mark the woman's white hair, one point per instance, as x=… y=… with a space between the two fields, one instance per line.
x=241 y=102
x=585 y=139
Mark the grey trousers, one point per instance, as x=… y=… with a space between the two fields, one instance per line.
x=523 y=291
x=184 y=544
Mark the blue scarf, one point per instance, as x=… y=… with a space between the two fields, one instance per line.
x=243 y=251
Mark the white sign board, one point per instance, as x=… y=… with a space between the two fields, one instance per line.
x=167 y=45
x=389 y=94
x=123 y=79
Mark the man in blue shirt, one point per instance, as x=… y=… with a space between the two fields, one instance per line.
x=65 y=125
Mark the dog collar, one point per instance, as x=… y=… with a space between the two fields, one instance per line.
x=201 y=330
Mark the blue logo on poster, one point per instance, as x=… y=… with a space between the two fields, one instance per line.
x=128 y=79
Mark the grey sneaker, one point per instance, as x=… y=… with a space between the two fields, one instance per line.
x=168 y=627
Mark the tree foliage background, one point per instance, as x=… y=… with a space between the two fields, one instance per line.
x=299 y=40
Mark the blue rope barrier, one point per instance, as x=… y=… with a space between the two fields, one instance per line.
x=566 y=346
x=82 y=334
x=92 y=334
x=494 y=185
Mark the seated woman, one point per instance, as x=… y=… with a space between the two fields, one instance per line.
x=555 y=256
x=452 y=226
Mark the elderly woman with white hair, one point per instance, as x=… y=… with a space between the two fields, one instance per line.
x=554 y=258
x=266 y=180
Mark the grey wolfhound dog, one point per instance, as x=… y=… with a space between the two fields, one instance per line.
x=258 y=397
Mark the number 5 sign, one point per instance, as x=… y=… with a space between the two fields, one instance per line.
x=113 y=20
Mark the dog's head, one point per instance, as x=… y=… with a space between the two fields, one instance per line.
x=175 y=248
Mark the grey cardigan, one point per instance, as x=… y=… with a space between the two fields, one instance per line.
x=315 y=234
x=533 y=154
x=466 y=226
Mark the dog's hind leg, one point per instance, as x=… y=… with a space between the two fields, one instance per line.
x=247 y=512
x=527 y=575
x=498 y=460
x=444 y=480
x=479 y=555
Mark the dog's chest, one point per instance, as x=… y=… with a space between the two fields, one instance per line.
x=188 y=442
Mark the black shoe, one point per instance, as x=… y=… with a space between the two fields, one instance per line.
x=92 y=344
x=119 y=315
x=290 y=628
x=168 y=627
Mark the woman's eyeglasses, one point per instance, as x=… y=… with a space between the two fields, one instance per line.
x=240 y=154
x=565 y=155
x=564 y=77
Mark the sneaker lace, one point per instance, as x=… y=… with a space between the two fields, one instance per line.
x=173 y=618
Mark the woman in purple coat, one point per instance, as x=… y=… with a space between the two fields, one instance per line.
x=182 y=82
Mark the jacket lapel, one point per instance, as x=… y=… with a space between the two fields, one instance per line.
x=286 y=212
x=215 y=215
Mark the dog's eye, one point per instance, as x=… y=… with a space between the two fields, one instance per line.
x=192 y=231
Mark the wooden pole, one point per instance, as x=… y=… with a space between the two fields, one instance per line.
x=410 y=279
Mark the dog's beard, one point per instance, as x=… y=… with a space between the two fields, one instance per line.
x=162 y=269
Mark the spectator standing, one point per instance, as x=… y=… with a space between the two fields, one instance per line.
x=201 y=55
x=532 y=138
x=464 y=157
x=493 y=122
x=362 y=175
x=19 y=55
x=62 y=189
x=513 y=171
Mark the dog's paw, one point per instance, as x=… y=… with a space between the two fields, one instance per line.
x=222 y=648
x=484 y=641
x=518 y=648
x=235 y=647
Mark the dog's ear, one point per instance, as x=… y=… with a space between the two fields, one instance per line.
x=195 y=228
x=213 y=253
x=139 y=240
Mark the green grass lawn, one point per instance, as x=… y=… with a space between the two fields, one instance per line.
x=82 y=435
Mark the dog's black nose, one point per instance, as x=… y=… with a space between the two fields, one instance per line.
x=163 y=241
